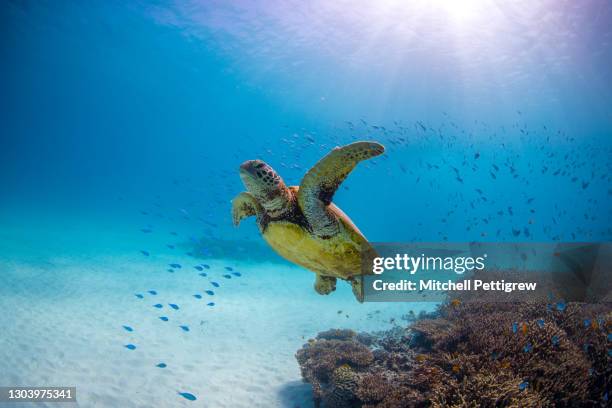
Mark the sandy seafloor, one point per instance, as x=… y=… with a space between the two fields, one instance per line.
x=68 y=285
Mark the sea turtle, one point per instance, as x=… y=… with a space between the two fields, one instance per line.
x=301 y=223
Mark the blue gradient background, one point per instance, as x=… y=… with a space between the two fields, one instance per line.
x=107 y=108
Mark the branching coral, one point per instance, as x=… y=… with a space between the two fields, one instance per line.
x=471 y=354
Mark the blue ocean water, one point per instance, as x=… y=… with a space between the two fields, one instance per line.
x=123 y=127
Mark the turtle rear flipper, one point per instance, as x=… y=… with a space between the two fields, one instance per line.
x=357 y=284
x=323 y=179
x=324 y=285
x=245 y=205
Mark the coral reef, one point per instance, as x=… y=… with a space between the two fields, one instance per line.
x=468 y=355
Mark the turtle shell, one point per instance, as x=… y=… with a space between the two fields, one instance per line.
x=339 y=256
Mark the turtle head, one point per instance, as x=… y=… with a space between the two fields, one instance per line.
x=266 y=185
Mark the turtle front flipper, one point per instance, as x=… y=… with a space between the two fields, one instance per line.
x=324 y=285
x=321 y=182
x=245 y=205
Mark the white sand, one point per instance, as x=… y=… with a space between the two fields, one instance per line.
x=66 y=291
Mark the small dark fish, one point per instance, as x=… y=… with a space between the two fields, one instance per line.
x=197 y=296
x=128 y=328
x=170 y=270
x=185 y=328
x=215 y=284
x=172 y=305
x=187 y=396
x=210 y=292
x=210 y=304
x=130 y=347
x=146 y=230
x=152 y=292
x=199 y=268
x=523 y=386
x=174 y=265
x=229 y=268
x=206 y=266
x=227 y=276
x=158 y=305
x=145 y=253
x=236 y=274
x=139 y=296
x=170 y=246
x=163 y=318
x=161 y=365
x=204 y=274
x=528 y=347
x=555 y=340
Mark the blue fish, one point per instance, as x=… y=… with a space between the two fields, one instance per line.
x=130 y=347
x=188 y=396
x=206 y=266
x=561 y=306
x=175 y=265
x=145 y=253
x=523 y=385
x=528 y=347
x=210 y=304
x=146 y=230
x=163 y=318
x=555 y=340
x=210 y=292
x=199 y=268
x=215 y=284
x=170 y=246
x=185 y=328
x=152 y=292
x=158 y=305
x=204 y=274
x=170 y=270
x=197 y=296
x=609 y=336
x=587 y=322
x=229 y=268
x=172 y=305
x=514 y=327
x=227 y=276
x=161 y=365
x=128 y=328
x=139 y=296
x=236 y=274
x=541 y=323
